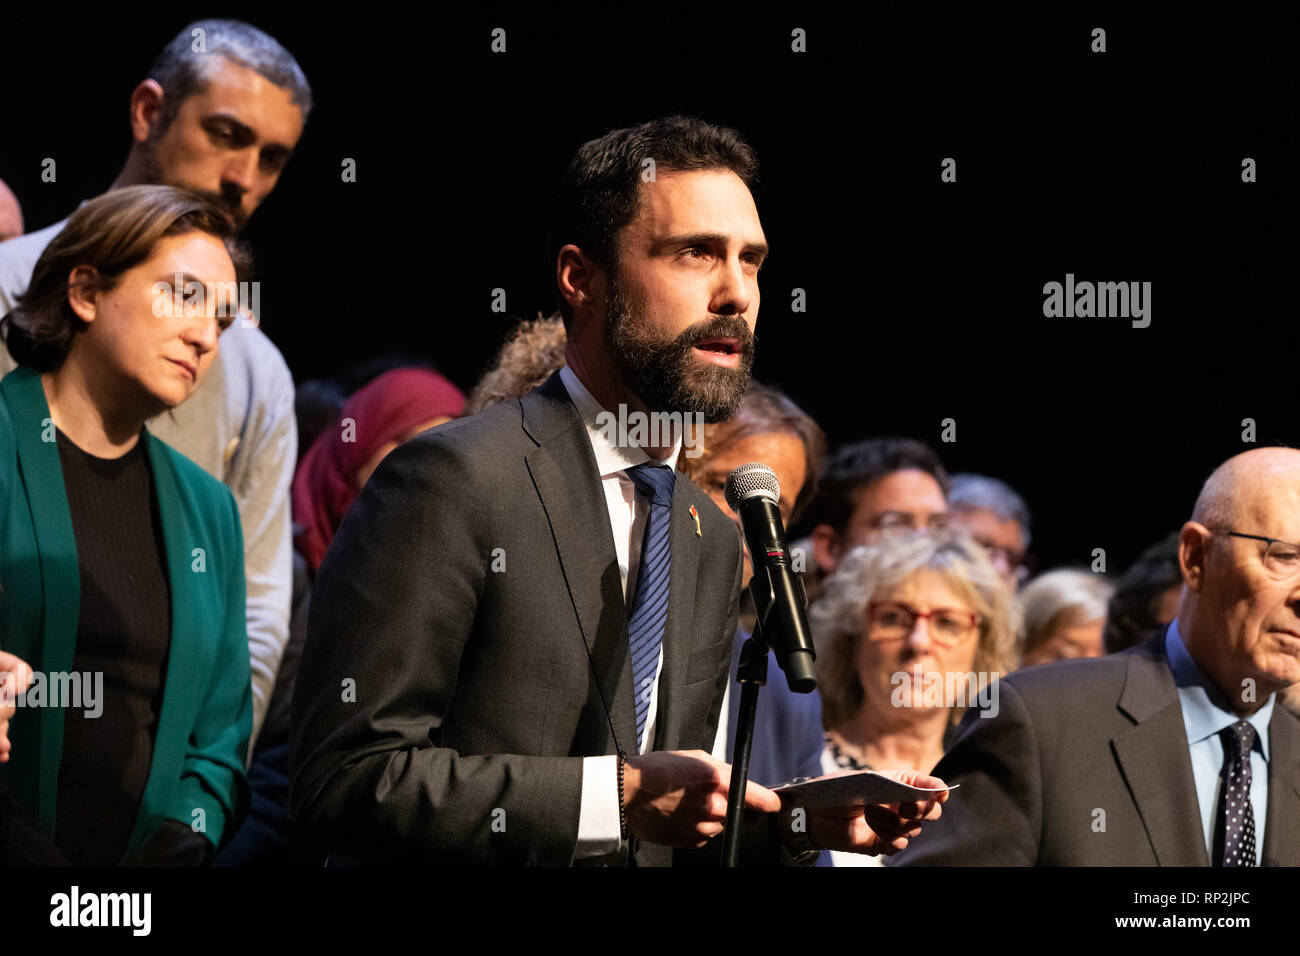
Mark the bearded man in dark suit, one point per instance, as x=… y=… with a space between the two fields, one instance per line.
x=518 y=642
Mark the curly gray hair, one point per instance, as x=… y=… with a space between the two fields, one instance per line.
x=839 y=615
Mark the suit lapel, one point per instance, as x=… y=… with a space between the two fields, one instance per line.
x=679 y=631
x=563 y=469
x=56 y=543
x=1159 y=775
x=1282 y=827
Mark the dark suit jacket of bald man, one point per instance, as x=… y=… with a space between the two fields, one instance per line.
x=1077 y=737
x=473 y=594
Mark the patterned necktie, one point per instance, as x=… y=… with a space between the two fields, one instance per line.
x=649 y=611
x=1236 y=815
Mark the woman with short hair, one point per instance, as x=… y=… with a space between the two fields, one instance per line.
x=121 y=561
x=1064 y=615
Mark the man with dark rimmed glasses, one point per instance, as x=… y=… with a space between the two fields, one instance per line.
x=1173 y=753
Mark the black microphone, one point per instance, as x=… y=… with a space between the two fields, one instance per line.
x=753 y=492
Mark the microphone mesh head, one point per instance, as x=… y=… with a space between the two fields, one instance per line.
x=752 y=478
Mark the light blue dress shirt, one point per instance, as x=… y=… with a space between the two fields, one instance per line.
x=1205 y=714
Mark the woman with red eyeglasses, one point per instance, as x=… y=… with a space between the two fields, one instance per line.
x=909 y=631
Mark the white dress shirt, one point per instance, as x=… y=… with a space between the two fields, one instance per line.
x=598 y=829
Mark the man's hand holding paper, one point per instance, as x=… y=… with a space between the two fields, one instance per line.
x=866 y=811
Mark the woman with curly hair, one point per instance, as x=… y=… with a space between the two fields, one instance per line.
x=909 y=632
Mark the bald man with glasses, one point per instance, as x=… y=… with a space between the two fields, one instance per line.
x=1173 y=753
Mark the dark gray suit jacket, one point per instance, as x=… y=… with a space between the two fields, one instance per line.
x=473 y=595
x=1077 y=737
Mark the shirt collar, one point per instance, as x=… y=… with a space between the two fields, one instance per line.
x=1205 y=712
x=611 y=457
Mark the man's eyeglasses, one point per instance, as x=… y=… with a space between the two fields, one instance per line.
x=894 y=523
x=1281 y=559
x=892 y=620
x=1007 y=560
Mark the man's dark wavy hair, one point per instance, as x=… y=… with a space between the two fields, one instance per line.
x=598 y=194
x=857 y=465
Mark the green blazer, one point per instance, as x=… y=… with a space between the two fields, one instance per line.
x=206 y=716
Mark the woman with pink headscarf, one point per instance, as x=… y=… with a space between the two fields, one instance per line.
x=396 y=406
x=391 y=409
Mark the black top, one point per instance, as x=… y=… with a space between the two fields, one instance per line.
x=124 y=632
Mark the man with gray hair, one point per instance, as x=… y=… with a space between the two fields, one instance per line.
x=997 y=517
x=1172 y=753
x=220 y=113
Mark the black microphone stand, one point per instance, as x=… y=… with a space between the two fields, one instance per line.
x=751 y=674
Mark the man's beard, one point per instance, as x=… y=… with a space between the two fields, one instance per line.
x=154 y=175
x=665 y=374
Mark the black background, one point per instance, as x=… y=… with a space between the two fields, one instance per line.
x=924 y=298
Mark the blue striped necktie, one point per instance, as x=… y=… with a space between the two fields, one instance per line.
x=649 y=611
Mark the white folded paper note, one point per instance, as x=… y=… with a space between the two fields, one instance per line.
x=849 y=787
